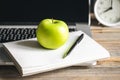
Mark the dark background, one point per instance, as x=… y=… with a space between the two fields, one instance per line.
x=92 y=6
x=32 y=11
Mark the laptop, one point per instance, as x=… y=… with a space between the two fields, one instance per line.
x=19 y=18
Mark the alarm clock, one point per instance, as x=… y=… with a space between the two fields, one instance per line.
x=107 y=12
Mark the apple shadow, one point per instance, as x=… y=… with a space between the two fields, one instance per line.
x=30 y=44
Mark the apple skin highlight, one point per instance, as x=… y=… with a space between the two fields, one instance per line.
x=52 y=33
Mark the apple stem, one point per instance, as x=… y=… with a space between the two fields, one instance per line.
x=52 y=20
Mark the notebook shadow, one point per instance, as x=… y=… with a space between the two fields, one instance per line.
x=30 y=44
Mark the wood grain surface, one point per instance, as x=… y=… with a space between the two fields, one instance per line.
x=109 y=38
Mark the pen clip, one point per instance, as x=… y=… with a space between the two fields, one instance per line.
x=81 y=36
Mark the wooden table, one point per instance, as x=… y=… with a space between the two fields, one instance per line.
x=107 y=69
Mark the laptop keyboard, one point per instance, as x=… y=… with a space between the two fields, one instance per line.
x=14 y=34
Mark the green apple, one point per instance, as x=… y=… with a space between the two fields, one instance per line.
x=52 y=33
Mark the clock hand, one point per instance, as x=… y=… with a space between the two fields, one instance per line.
x=107 y=9
x=111 y=2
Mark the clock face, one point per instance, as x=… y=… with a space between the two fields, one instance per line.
x=108 y=11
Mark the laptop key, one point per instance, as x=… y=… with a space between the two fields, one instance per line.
x=11 y=37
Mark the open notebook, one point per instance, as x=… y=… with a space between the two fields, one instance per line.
x=30 y=58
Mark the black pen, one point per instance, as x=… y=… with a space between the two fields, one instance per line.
x=73 y=46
